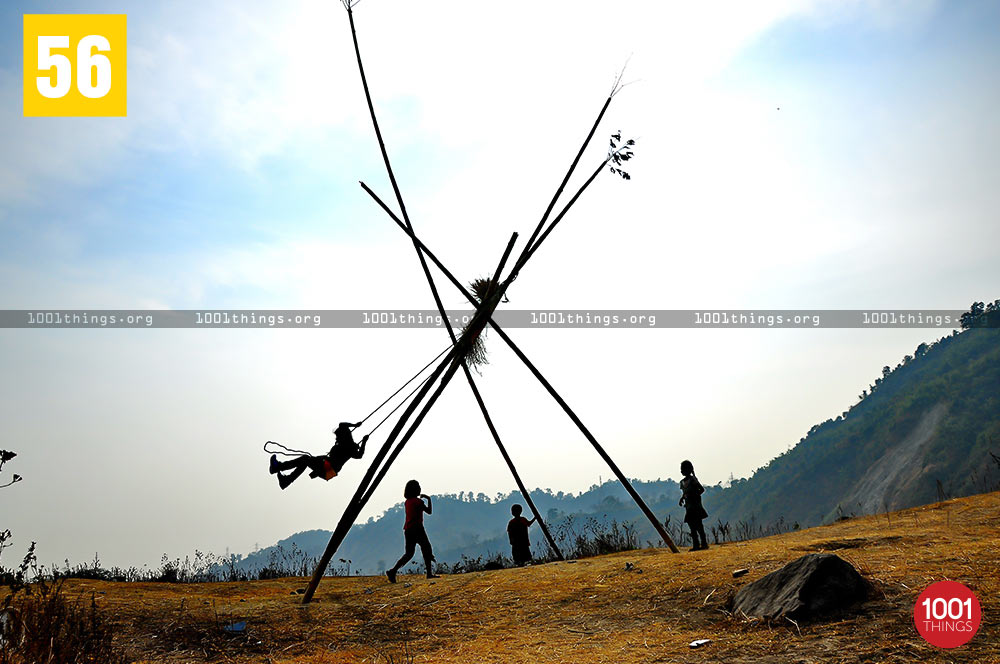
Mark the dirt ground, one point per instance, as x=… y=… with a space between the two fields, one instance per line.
x=643 y=606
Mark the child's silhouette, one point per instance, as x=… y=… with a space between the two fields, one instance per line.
x=326 y=466
x=691 y=490
x=413 y=530
x=517 y=532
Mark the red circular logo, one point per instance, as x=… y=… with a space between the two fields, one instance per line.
x=947 y=614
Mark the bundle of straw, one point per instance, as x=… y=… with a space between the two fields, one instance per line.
x=481 y=288
x=477 y=355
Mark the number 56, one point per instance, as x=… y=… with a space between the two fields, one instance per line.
x=93 y=70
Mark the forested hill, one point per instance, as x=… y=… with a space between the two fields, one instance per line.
x=922 y=431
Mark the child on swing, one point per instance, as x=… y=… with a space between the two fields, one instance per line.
x=326 y=466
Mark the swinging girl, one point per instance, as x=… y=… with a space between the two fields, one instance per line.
x=326 y=466
x=344 y=448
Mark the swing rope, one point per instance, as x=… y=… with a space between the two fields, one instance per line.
x=283 y=450
x=400 y=405
x=401 y=388
x=289 y=452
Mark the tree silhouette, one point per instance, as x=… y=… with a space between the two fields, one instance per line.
x=6 y=456
x=981 y=315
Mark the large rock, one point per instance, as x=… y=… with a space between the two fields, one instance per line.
x=810 y=586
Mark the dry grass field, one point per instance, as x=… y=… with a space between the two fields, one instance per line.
x=594 y=610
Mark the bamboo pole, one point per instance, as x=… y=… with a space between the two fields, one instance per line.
x=351 y=511
x=593 y=441
x=548 y=386
x=375 y=475
x=445 y=271
x=371 y=112
x=533 y=248
x=510 y=465
x=493 y=430
x=433 y=286
x=529 y=249
x=484 y=311
x=445 y=379
x=392 y=176
x=475 y=328
x=475 y=390
x=370 y=482
x=524 y=252
x=486 y=415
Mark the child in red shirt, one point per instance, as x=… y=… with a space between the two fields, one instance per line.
x=413 y=530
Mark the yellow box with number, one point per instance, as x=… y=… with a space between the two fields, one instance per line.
x=75 y=65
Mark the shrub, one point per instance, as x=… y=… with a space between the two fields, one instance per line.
x=43 y=624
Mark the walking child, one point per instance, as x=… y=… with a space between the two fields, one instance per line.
x=326 y=466
x=691 y=490
x=517 y=532
x=413 y=530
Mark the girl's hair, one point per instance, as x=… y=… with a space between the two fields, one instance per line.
x=412 y=489
x=687 y=468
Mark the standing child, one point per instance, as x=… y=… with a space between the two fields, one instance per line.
x=691 y=490
x=517 y=532
x=413 y=530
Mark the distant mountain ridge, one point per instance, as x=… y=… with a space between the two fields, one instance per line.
x=470 y=525
x=923 y=431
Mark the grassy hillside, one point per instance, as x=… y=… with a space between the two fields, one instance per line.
x=642 y=606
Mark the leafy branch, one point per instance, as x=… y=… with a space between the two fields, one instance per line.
x=6 y=456
x=619 y=153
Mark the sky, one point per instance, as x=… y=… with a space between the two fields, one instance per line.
x=233 y=183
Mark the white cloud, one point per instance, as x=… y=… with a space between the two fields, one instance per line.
x=43 y=158
x=247 y=80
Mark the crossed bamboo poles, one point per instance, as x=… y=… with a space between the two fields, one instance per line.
x=455 y=358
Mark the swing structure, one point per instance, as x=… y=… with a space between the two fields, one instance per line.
x=466 y=344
